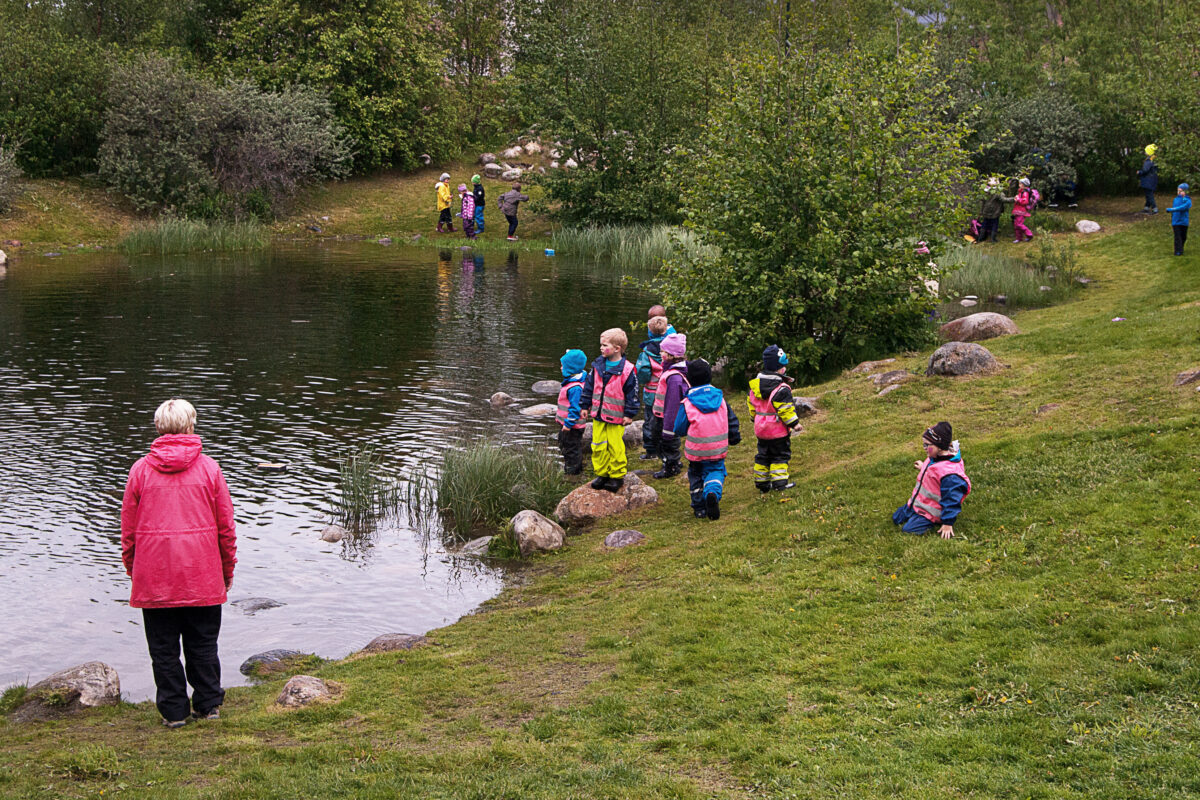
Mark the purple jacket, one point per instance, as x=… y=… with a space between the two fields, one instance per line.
x=674 y=378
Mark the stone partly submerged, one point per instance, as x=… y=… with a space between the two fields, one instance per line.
x=536 y=534
x=270 y=661
x=977 y=327
x=586 y=505
x=70 y=691
x=390 y=642
x=476 y=547
x=252 y=605
x=962 y=358
x=304 y=690
x=333 y=534
x=501 y=400
x=546 y=387
x=540 y=410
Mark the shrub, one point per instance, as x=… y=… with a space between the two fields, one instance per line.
x=10 y=174
x=177 y=142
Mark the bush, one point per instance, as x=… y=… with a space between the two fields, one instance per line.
x=10 y=174
x=177 y=142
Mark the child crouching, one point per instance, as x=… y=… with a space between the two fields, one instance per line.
x=570 y=413
x=610 y=399
x=942 y=483
x=710 y=427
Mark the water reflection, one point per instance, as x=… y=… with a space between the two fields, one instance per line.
x=292 y=356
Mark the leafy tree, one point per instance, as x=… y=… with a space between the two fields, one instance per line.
x=814 y=178
x=1044 y=136
x=478 y=33
x=10 y=174
x=1172 y=110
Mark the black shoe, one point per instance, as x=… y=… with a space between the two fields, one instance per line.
x=614 y=485
x=700 y=513
x=780 y=486
x=712 y=505
x=601 y=482
x=763 y=487
x=211 y=714
x=668 y=471
x=648 y=456
x=573 y=472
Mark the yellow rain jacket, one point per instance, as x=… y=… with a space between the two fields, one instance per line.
x=443 y=195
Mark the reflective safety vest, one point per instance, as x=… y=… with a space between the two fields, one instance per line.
x=608 y=396
x=656 y=369
x=564 y=405
x=708 y=433
x=660 y=393
x=926 y=498
x=766 y=417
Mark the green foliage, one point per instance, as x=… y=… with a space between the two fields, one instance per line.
x=480 y=44
x=1054 y=257
x=10 y=174
x=1173 y=115
x=813 y=179
x=379 y=62
x=1044 y=136
x=170 y=235
x=52 y=95
x=177 y=142
x=364 y=492
x=91 y=762
x=12 y=698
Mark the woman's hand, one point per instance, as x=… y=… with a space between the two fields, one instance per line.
x=947 y=531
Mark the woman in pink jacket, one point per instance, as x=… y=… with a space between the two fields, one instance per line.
x=179 y=546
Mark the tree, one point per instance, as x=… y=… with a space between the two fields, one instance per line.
x=477 y=60
x=813 y=179
x=1172 y=111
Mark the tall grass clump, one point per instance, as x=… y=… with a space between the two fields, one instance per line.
x=968 y=270
x=10 y=174
x=625 y=246
x=364 y=493
x=171 y=235
x=484 y=483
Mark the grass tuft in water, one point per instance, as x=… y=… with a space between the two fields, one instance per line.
x=171 y=235
x=969 y=270
x=364 y=493
x=625 y=246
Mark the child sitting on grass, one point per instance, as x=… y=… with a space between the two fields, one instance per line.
x=570 y=413
x=710 y=427
x=610 y=399
x=942 y=483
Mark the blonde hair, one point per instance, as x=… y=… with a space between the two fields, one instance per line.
x=617 y=338
x=175 y=416
x=657 y=325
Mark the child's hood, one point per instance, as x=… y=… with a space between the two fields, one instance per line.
x=706 y=399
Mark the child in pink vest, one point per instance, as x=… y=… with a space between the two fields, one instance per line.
x=570 y=411
x=711 y=429
x=942 y=483
x=610 y=400
x=672 y=387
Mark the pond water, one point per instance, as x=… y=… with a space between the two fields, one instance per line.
x=294 y=355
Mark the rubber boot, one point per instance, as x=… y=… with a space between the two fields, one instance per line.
x=615 y=485
x=670 y=470
x=601 y=482
x=712 y=506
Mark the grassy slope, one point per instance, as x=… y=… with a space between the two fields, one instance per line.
x=800 y=647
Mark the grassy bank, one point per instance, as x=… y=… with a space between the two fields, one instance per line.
x=800 y=647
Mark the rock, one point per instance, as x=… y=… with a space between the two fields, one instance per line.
x=1000 y=299
x=3 y=258
x=536 y=534
x=1046 y=409
x=807 y=406
x=624 y=538
x=632 y=434
x=540 y=410
x=1083 y=281
x=390 y=642
x=888 y=389
x=570 y=163
x=892 y=378
x=513 y=152
x=12 y=242
x=501 y=399
x=487 y=158
x=546 y=387
x=961 y=358
x=977 y=327
x=555 y=153
x=268 y=658
x=541 y=170
x=492 y=170
x=1187 y=376
x=476 y=547
x=251 y=605
x=69 y=691
x=51 y=255
x=1045 y=289
x=303 y=690
x=584 y=505
x=511 y=174
x=425 y=159
x=331 y=534
x=1087 y=226
x=870 y=366
x=533 y=148
x=384 y=240
x=553 y=165
x=967 y=302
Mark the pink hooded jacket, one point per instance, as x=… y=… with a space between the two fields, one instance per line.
x=177 y=529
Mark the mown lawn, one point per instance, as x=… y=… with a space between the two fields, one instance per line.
x=800 y=647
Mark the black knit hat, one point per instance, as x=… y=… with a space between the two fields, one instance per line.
x=940 y=435
x=699 y=372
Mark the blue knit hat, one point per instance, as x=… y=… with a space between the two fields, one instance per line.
x=1183 y=186
x=774 y=358
x=573 y=362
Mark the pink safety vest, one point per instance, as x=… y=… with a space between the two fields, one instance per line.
x=766 y=418
x=564 y=405
x=656 y=369
x=608 y=397
x=708 y=434
x=660 y=394
x=926 y=498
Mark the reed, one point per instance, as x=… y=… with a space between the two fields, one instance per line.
x=626 y=246
x=170 y=235
x=968 y=270
x=364 y=493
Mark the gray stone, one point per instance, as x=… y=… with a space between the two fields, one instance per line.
x=390 y=642
x=333 y=533
x=632 y=434
x=501 y=399
x=1047 y=408
x=888 y=389
x=977 y=327
x=303 y=690
x=1187 y=376
x=1045 y=289
x=570 y=163
x=867 y=367
x=1087 y=226
x=540 y=410
x=624 y=538
x=805 y=406
x=71 y=690
x=1000 y=299
x=513 y=152
x=1084 y=281
x=3 y=258
x=961 y=358
x=512 y=174
x=476 y=547
x=546 y=387
x=268 y=658
x=892 y=378
x=251 y=605
x=493 y=170
x=487 y=158
x=384 y=240
x=536 y=534
x=533 y=148
x=585 y=505
x=967 y=302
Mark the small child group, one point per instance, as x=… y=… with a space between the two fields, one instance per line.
x=679 y=403
x=470 y=205
x=1024 y=200
x=1148 y=180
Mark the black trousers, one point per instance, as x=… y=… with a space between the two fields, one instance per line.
x=668 y=447
x=512 y=224
x=651 y=430
x=570 y=444
x=198 y=627
x=444 y=217
x=1180 y=238
x=1150 y=201
x=990 y=226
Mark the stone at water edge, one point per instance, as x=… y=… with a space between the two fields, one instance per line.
x=977 y=327
x=476 y=547
x=390 y=642
x=584 y=505
x=632 y=434
x=624 y=538
x=269 y=657
x=870 y=366
x=67 y=691
x=961 y=358
x=537 y=534
x=251 y=605
x=501 y=399
x=967 y=302
x=540 y=410
x=892 y=378
x=1087 y=226
x=546 y=387
x=303 y=690
x=1187 y=376
x=333 y=533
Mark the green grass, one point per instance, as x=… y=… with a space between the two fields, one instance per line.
x=624 y=246
x=169 y=235
x=970 y=269
x=801 y=646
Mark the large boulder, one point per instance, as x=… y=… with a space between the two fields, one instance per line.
x=541 y=410
x=961 y=358
x=69 y=691
x=546 y=387
x=270 y=661
x=389 y=642
x=303 y=690
x=536 y=534
x=585 y=505
x=977 y=327
x=493 y=170
x=1087 y=226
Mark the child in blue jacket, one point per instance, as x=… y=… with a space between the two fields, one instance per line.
x=1179 y=217
x=711 y=429
x=570 y=413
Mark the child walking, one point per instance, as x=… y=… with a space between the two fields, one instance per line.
x=672 y=387
x=770 y=401
x=942 y=483
x=478 y=192
x=711 y=428
x=649 y=368
x=1022 y=209
x=468 y=211
x=445 y=220
x=610 y=400
x=1179 y=217
x=990 y=210
x=570 y=412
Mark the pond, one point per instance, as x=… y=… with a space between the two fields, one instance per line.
x=294 y=355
